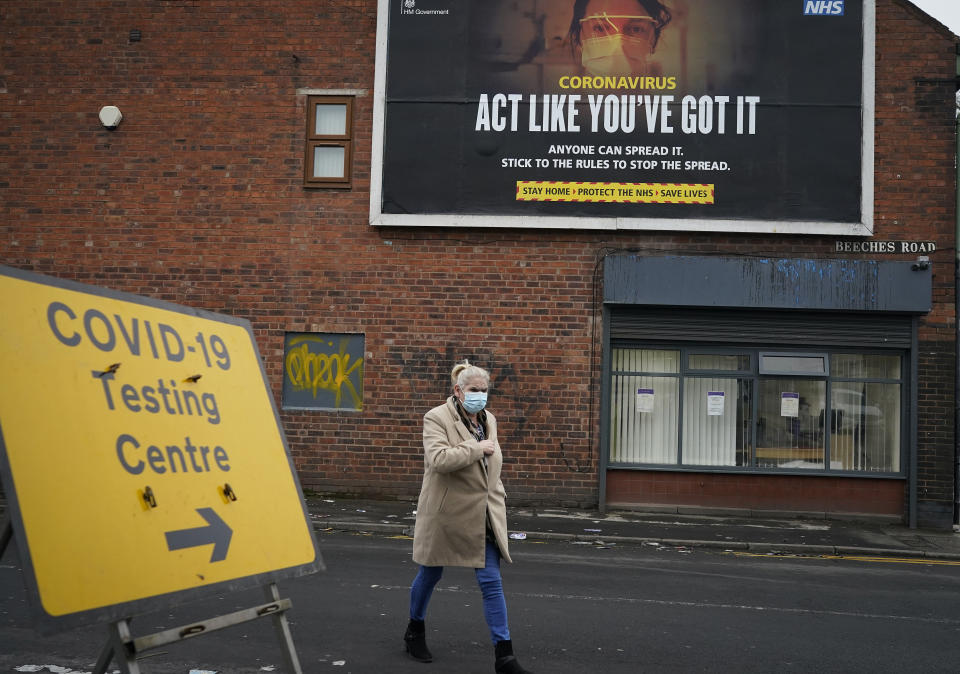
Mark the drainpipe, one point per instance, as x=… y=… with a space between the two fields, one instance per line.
x=914 y=416
x=956 y=293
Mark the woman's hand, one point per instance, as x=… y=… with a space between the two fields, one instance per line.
x=487 y=446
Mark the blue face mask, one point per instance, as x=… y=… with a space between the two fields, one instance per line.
x=474 y=401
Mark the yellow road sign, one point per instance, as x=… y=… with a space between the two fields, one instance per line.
x=141 y=451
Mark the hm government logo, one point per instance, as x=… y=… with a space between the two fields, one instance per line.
x=410 y=7
x=823 y=7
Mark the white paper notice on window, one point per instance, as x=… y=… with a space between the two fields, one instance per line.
x=789 y=404
x=714 y=403
x=644 y=400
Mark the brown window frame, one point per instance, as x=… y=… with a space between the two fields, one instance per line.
x=314 y=140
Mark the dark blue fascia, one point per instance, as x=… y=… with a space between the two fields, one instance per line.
x=764 y=283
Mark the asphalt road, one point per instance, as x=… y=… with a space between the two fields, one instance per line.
x=573 y=608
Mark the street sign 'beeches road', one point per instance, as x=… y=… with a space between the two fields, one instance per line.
x=141 y=452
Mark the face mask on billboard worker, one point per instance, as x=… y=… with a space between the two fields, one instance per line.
x=617 y=45
x=616 y=37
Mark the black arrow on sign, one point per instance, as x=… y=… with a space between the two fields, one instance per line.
x=216 y=532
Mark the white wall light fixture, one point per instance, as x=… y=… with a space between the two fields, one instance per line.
x=110 y=116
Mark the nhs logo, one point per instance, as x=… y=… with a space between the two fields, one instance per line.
x=823 y=7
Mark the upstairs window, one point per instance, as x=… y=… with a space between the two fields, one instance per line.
x=329 y=155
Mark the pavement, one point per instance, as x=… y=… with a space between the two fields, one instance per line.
x=682 y=527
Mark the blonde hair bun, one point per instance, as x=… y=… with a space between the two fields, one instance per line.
x=463 y=371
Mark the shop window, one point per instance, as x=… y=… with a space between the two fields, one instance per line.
x=790 y=423
x=860 y=366
x=796 y=363
x=756 y=410
x=646 y=394
x=717 y=421
x=719 y=362
x=865 y=429
x=329 y=156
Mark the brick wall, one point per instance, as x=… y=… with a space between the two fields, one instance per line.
x=780 y=493
x=197 y=198
x=916 y=197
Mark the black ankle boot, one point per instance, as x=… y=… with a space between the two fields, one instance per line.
x=506 y=663
x=415 y=640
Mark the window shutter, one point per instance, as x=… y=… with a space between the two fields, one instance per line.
x=766 y=328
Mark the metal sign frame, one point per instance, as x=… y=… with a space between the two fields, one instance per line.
x=123 y=648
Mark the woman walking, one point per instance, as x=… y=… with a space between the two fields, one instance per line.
x=461 y=512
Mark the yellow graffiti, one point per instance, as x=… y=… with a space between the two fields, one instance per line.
x=330 y=372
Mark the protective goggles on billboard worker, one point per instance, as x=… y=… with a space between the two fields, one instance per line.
x=616 y=44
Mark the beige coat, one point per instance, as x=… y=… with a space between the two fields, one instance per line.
x=458 y=491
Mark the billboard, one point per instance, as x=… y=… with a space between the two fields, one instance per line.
x=711 y=115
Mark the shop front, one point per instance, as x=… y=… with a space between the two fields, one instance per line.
x=760 y=384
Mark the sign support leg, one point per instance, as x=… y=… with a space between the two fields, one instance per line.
x=6 y=532
x=282 y=628
x=116 y=648
x=106 y=656
x=122 y=647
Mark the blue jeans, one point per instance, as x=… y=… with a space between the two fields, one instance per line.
x=491 y=588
